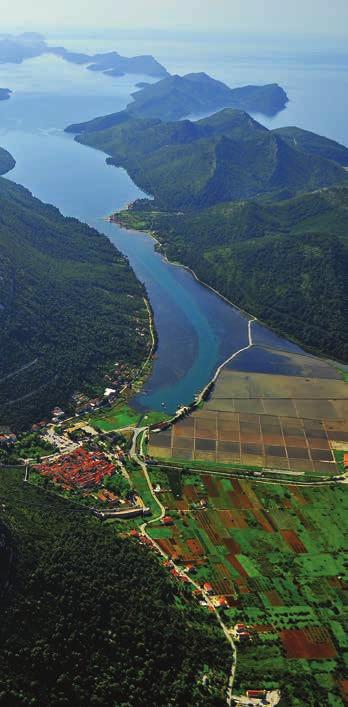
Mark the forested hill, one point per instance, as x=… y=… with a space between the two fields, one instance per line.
x=91 y=620
x=283 y=261
x=178 y=96
x=175 y=97
x=70 y=305
x=6 y=161
x=228 y=156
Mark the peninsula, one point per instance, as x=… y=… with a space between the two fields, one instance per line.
x=226 y=157
x=176 y=97
x=16 y=49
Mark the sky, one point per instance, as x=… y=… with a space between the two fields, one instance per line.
x=319 y=17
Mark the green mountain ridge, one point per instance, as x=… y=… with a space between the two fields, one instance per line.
x=176 y=96
x=228 y=156
x=284 y=261
x=69 y=305
x=91 y=618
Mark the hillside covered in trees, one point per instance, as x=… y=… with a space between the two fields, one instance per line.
x=226 y=157
x=284 y=261
x=175 y=97
x=70 y=306
x=7 y=162
x=95 y=615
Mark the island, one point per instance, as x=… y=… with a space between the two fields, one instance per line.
x=176 y=97
x=16 y=49
x=71 y=309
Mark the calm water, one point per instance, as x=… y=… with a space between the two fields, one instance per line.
x=197 y=330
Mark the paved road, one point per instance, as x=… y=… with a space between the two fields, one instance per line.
x=182 y=572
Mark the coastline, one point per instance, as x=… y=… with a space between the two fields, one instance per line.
x=306 y=350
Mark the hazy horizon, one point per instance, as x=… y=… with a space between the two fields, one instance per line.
x=260 y=18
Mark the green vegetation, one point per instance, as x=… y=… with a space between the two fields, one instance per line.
x=141 y=486
x=6 y=161
x=88 y=618
x=28 y=446
x=314 y=144
x=118 y=416
x=118 y=484
x=278 y=555
x=70 y=307
x=284 y=261
x=177 y=96
x=226 y=157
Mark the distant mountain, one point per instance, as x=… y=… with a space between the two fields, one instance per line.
x=178 y=96
x=228 y=156
x=5 y=94
x=69 y=307
x=313 y=144
x=6 y=161
x=115 y=64
x=15 y=49
x=284 y=261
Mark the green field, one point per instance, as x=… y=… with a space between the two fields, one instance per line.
x=119 y=416
x=277 y=554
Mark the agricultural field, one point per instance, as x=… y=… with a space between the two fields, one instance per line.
x=258 y=420
x=276 y=554
x=253 y=441
x=115 y=418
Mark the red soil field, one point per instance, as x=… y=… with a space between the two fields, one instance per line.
x=298 y=495
x=242 y=587
x=190 y=493
x=343 y=685
x=263 y=628
x=211 y=486
x=195 y=547
x=312 y=643
x=293 y=541
x=232 y=546
x=237 y=566
x=234 y=519
x=264 y=521
x=274 y=598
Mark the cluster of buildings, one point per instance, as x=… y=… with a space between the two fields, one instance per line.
x=242 y=633
x=80 y=469
x=7 y=437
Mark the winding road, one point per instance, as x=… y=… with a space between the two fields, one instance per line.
x=143 y=528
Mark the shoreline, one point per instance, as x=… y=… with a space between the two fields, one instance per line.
x=306 y=351
x=151 y=234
